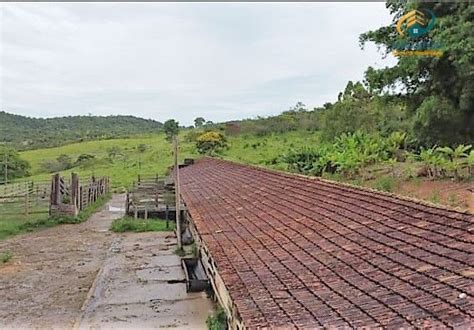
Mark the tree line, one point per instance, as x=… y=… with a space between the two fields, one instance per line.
x=24 y=133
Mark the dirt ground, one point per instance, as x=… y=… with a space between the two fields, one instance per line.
x=445 y=192
x=46 y=284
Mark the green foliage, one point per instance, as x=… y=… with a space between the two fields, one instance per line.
x=171 y=128
x=139 y=225
x=6 y=256
x=295 y=118
x=192 y=135
x=17 y=167
x=385 y=183
x=346 y=155
x=358 y=110
x=439 y=91
x=123 y=170
x=211 y=142
x=441 y=161
x=61 y=163
x=199 y=122
x=31 y=133
x=83 y=159
x=217 y=321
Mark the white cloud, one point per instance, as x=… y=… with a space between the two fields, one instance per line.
x=218 y=60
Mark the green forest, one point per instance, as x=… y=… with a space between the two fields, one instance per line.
x=24 y=133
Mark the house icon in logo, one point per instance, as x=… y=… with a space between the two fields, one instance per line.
x=416 y=23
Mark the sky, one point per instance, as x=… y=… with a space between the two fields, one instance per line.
x=221 y=61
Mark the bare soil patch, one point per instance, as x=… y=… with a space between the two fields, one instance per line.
x=450 y=193
x=47 y=280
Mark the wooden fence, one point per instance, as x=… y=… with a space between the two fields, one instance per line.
x=74 y=197
x=24 y=198
x=152 y=197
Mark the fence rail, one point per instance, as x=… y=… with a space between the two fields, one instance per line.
x=24 y=198
x=152 y=196
x=74 y=197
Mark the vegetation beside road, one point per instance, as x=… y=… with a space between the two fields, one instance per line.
x=130 y=224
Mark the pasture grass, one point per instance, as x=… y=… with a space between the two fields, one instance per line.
x=268 y=149
x=130 y=224
x=124 y=169
x=17 y=224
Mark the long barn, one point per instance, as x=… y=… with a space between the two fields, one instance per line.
x=289 y=251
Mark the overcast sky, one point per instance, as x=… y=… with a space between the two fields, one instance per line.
x=153 y=60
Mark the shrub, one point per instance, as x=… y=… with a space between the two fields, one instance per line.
x=217 y=321
x=192 y=135
x=211 y=142
x=61 y=163
x=83 y=158
x=385 y=183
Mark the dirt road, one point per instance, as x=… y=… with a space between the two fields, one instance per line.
x=47 y=281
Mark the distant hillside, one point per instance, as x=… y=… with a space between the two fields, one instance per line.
x=29 y=133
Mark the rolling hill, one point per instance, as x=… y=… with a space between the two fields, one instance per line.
x=25 y=133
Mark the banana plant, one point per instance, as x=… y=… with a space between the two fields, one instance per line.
x=455 y=157
x=470 y=163
x=430 y=160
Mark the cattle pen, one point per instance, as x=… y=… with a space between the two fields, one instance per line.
x=284 y=250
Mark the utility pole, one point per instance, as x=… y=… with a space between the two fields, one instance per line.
x=176 y=190
x=5 y=166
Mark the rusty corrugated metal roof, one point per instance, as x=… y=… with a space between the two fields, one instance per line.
x=302 y=252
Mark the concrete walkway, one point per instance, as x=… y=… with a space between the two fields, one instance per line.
x=85 y=276
x=142 y=286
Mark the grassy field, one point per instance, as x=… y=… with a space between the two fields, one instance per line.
x=157 y=157
x=124 y=168
x=265 y=150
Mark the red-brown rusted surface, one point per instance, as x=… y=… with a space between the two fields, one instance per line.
x=301 y=252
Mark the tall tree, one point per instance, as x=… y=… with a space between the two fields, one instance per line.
x=171 y=128
x=15 y=166
x=439 y=91
x=199 y=121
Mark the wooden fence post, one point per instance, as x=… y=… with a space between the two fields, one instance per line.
x=27 y=192
x=81 y=201
x=127 y=204
x=75 y=193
